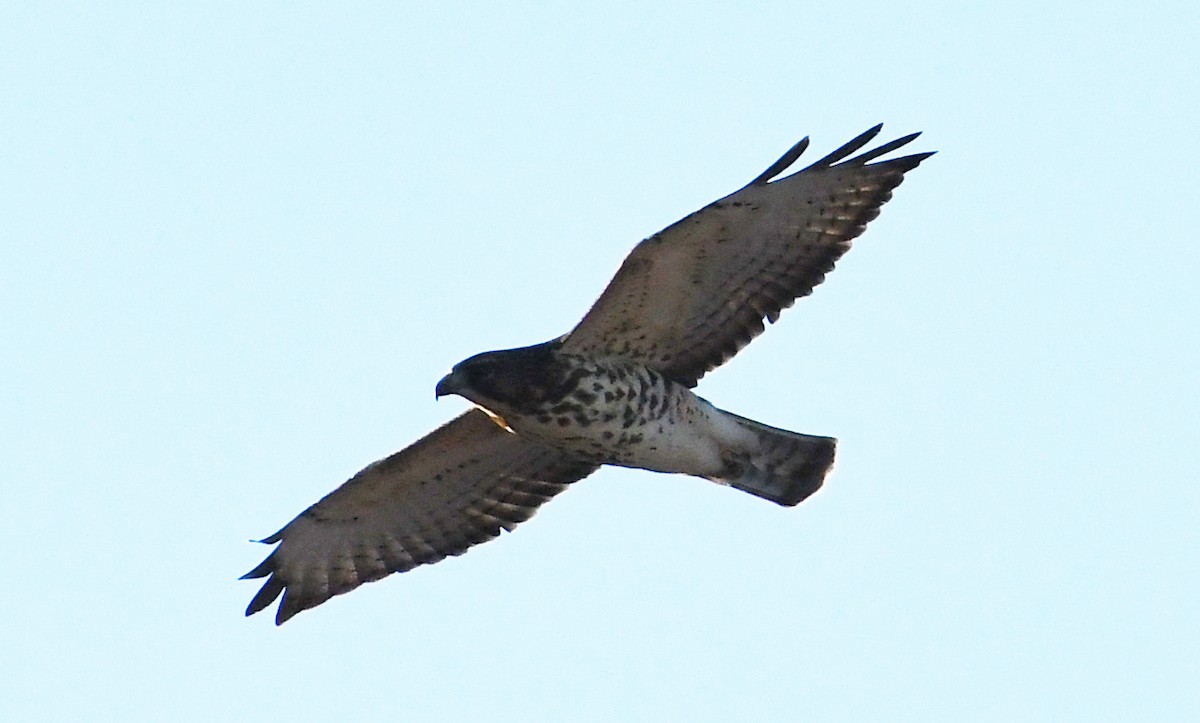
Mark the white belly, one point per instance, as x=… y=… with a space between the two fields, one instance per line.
x=636 y=418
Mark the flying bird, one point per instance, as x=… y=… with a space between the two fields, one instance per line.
x=614 y=390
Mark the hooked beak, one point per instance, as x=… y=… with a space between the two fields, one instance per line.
x=450 y=384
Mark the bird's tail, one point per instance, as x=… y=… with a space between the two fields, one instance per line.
x=784 y=467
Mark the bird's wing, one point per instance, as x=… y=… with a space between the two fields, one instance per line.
x=457 y=487
x=688 y=298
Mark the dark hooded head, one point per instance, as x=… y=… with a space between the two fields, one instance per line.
x=520 y=379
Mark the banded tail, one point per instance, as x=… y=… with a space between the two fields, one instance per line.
x=785 y=468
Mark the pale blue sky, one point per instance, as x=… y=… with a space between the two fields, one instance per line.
x=241 y=243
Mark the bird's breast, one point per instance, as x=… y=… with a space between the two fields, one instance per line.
x=626 y=414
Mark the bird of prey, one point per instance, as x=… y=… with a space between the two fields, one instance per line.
x=615 y=390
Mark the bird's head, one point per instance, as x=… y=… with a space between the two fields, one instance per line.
x=508 y=380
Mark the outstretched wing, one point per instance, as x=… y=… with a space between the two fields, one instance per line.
x=688 y=298
x=457 y=487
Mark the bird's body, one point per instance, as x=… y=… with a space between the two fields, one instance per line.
x=609 y=410
x=614 y=390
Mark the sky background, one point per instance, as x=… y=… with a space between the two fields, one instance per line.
x=241 y=243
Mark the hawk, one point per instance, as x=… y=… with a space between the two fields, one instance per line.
x=614 y=390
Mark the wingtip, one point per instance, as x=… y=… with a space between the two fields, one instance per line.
x=865 y=158
x=266 y=595
x=782 y=164
x=288 y=607
x=849 y=148
x=869 y=134
x=907 y=163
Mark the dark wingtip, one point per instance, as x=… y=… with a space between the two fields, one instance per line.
x=841 y=154
x=849 y=148
x=782 y=164
x=288 y=607
x=884 y=149
x=266 y=595
x=907 y=163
